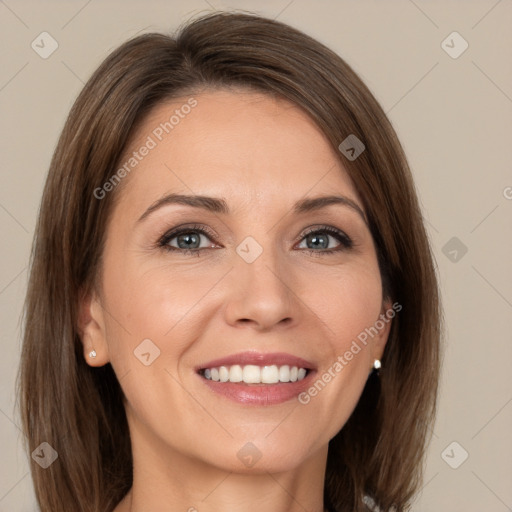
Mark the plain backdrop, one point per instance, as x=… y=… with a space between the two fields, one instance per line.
x=452 y=112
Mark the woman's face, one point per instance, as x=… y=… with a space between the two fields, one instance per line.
x=264 y=274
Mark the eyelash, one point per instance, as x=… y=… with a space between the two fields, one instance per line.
x=345 y=241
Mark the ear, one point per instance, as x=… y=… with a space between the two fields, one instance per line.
x=383 y=323
x=91 y=327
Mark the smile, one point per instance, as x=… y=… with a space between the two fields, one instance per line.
x=257 y=379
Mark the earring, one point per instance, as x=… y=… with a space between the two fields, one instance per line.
x=376 y=364
x=92 y=354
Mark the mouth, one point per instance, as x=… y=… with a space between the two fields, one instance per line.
x=257 y=379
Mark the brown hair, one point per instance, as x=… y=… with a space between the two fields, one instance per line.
x=79 y=410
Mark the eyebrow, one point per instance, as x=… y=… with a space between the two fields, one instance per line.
x=219 y=205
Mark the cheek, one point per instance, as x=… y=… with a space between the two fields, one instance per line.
x=347 y=301
x=349 y=307
x=156 y=315
x=157 y=303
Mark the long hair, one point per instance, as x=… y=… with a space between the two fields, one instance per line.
x=378 y=455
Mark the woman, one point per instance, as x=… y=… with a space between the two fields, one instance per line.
x=232 y=302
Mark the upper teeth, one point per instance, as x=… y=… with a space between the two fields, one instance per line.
x=252 y=374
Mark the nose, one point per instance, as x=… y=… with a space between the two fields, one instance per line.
x=261 y=294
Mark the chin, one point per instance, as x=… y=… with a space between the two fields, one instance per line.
x=264 y=455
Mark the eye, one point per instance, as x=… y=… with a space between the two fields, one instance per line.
x=318 y=240
x=194 y=239
x=187 y=239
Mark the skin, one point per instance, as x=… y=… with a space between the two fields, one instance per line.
x=261 y=155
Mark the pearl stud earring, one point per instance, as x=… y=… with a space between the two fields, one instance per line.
x=376 y=364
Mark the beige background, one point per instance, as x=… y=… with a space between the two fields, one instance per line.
x=454 y=119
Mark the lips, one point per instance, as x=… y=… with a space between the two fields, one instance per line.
x=257 y=379
x=259 y=359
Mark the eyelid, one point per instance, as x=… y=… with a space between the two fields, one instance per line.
x=322 y=227
x=185 y=228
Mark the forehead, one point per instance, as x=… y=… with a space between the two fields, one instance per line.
x=247 y=146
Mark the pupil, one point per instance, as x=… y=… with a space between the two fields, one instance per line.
x=321 y=241
x=191 y=241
